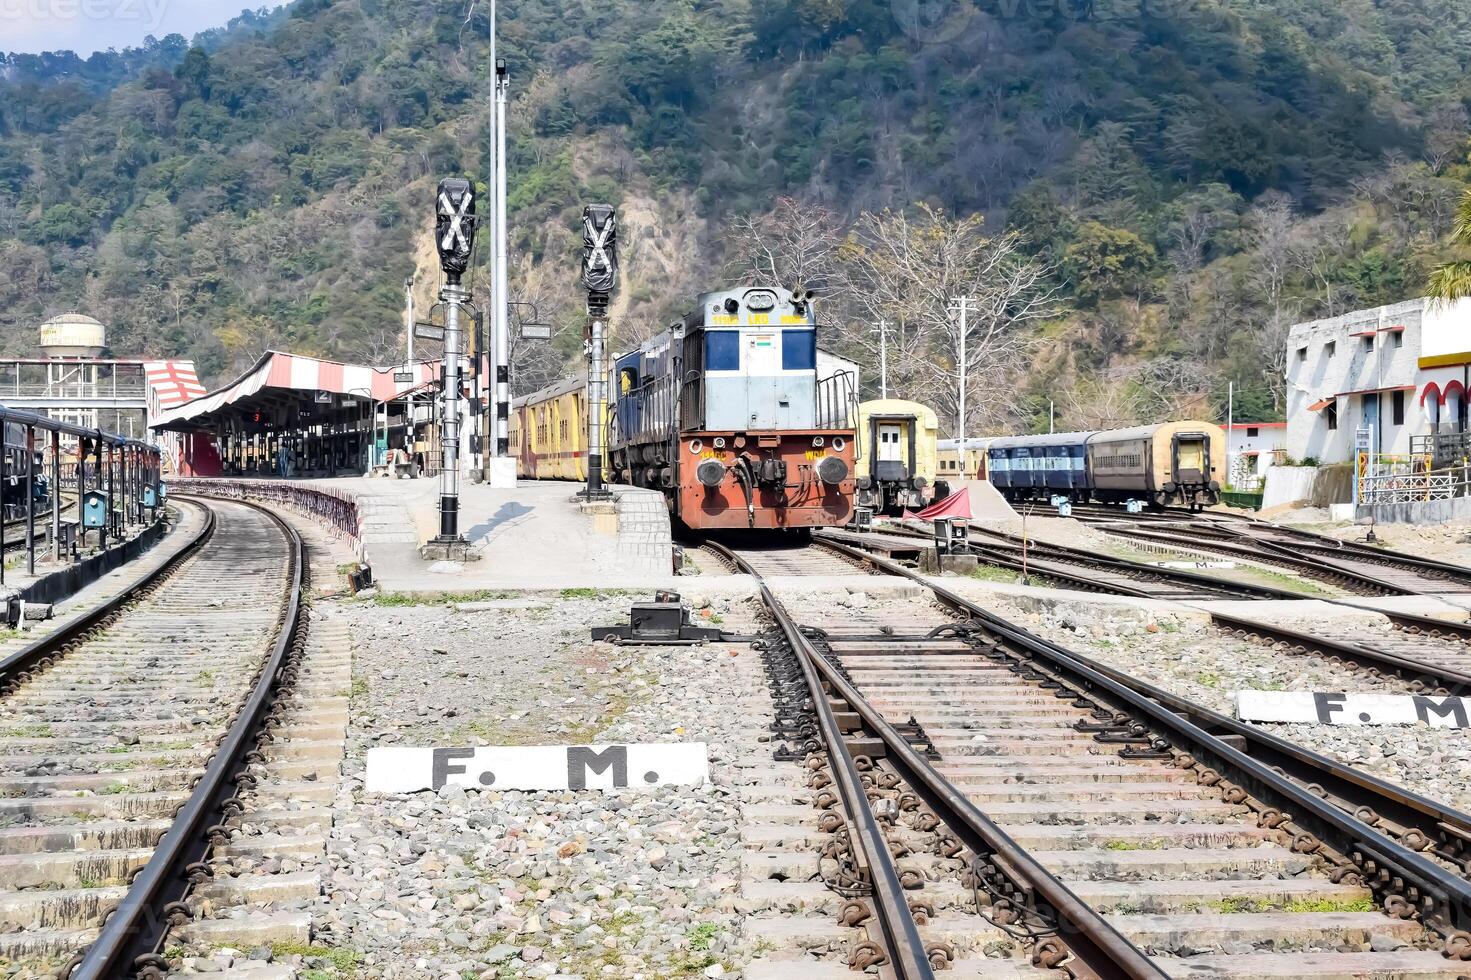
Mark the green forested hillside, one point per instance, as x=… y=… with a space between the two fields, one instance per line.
x=1192 y=175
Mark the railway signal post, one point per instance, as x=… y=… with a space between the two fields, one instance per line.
x=599 y=278
x=454 y=239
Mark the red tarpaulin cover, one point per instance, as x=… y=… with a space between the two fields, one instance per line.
x=955 y=505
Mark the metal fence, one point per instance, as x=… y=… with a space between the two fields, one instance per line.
x=1392 y=479
x=335 y=509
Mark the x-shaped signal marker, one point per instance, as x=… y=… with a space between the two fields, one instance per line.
x=454 y=235
x=599 y=257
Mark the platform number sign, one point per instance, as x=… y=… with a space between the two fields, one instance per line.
x=394 y=769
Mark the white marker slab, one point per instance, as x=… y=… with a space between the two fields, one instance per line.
x=1320 y=708
x=1194 y=564
x=399 y=769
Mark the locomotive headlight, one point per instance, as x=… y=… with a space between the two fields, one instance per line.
x=696 y=446
x=710 y=473
x=719 y=442
x=817 y=442
x=760 y=300
x=838 y=443
x=832 y=470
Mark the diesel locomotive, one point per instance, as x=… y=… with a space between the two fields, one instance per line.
x=1178 y=463
x=725 y=413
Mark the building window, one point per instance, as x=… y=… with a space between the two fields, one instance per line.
x=1397 y=405
x=1369 y=343
x=1302 y=354
x=1330 y=412
x=1252 y=432
x=1330 y=348
x=1397 y=339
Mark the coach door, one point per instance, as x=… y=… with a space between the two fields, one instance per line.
x=1192 y=457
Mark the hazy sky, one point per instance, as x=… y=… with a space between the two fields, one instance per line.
x=86 y=26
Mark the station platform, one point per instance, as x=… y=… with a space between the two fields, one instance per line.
x=532 y=536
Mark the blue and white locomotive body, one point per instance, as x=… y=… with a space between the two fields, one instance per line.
x=724 y=412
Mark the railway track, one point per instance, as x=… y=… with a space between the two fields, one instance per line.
x=1361 y=569
x=1431 y=655
x=1033 y=804
x=134 y=744
x=1074 y=567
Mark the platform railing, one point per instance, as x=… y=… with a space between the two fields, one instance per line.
x=337 y=510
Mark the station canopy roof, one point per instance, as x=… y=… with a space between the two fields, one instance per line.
x=286 y=388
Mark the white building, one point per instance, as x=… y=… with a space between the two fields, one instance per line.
x=1399 y=373
x=1251 y=447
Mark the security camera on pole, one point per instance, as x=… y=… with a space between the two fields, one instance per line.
x=599 y=278
x=454 y=238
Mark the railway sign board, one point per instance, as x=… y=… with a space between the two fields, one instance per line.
x=536 y=331
x=1320 y=708
x=403 y=377
x=429 y=331
x=397 y=769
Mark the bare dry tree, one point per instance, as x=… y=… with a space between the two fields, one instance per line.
x=794 y=245
x=910 y=271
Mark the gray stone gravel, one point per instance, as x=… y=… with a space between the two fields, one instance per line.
x=512 y=884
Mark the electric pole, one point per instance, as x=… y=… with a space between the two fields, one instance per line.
x=962 y=306
x=883 y=358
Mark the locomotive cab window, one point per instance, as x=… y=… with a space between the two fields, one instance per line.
x=798 y=350
x=722 y=350
x=627 y=380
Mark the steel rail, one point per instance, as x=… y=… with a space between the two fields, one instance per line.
x=133 y=933
x=902 y=943
x=1090 y=938
x=1407 y=811
x=1367 y=656
x=42 y=652
x=1063 y=553
x=1371 y=656
x=1409 y=884
x=1355 y=549
x=1264 y=551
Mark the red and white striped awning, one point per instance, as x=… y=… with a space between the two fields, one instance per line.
x=172 y=382
x=299 y=373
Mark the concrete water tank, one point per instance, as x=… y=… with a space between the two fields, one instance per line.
x=73 y=335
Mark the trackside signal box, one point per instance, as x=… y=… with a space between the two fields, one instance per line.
x=94 y=508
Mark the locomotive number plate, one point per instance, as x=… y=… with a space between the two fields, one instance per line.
x=709 y=454
x=815 y=454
